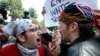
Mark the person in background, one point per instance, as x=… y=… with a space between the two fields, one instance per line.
x=3 y=10
x=97 y=21
x=76 y=28
x=1 y=19
x=28 y=39
x=26 y=15
x=5 y=39
x=1 y=37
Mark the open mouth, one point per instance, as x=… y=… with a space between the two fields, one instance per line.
x=38 y=40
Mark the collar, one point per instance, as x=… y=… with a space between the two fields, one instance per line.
x=27 y=51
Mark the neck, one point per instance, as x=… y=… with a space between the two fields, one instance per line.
x=74 y=36
x=27 y=46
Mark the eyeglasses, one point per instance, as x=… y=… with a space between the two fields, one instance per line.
x=35 y=29
x=32 y=30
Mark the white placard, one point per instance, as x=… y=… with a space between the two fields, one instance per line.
x=54 y=8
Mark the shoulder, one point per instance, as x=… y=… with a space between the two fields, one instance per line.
x=91 y=44
x=9 y=49
x=87 y=48
x=91 y=48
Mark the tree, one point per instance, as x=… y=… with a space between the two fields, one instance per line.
x=40 y=23
x=32 y=13
x=15 y=7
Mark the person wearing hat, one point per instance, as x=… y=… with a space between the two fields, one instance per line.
x=3 y=10
x=3 y=38
x=1 y=19
x=28 y=39
x=76 y=28
x=26 y=15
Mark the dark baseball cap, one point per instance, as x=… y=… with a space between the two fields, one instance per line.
x=77 y=12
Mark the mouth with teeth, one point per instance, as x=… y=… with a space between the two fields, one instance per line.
x=38 y=41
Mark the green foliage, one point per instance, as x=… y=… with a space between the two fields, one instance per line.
x=15 y=7
x=33 y=14
x=40 y=23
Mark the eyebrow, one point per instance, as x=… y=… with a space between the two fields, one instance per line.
x=34 y=29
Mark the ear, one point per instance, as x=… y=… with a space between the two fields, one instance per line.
x=21 y=38
x=74 y=26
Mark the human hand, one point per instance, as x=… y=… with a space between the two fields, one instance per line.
x=56 y=38
x=54 y=50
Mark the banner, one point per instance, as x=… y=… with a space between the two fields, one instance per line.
x=54 y=8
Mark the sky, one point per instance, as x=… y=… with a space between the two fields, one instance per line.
x=36 y=4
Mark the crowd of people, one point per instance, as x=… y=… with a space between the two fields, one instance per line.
x=78 y=34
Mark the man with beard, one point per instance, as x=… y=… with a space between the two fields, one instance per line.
x=76 y=28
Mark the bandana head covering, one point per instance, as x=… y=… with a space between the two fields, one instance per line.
x=18 y=26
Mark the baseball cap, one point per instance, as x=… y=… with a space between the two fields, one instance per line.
x=81 y=13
